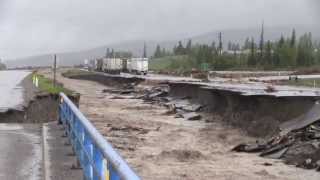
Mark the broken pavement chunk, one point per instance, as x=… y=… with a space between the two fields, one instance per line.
x=192 y=116
x=250 y=148
x=276 y=154
x=302 y=121
x=192 y=108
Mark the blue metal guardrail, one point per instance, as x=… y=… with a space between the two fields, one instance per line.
x=97 y=158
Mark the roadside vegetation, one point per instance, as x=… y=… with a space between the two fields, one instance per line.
x=47 y=85
x=286 y=53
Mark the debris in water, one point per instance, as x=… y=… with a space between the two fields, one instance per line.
x=298 y=145
x=191 y=116
x=270 y=89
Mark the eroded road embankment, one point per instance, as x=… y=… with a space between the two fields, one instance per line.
x=23 y=152
x=21 y=144
x=160 y=146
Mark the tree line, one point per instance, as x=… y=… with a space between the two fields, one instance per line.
x=286 y=52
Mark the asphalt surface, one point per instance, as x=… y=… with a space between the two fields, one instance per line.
x=20 y=152
x=59 y=159
x=243 y=86
x=10 y=89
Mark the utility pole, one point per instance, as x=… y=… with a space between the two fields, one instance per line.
x=54 y=69
x=220 y=44
x=261 y=45
x=144 y=55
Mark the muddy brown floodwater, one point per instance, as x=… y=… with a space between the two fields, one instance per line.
x=160 y=147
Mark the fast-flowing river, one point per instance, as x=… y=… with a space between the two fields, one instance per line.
x=11 y=93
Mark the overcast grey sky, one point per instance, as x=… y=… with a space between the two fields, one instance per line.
x=29 y=27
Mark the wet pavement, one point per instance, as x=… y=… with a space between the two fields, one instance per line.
x=11 y=91
x=243 y=86
x=21 y=152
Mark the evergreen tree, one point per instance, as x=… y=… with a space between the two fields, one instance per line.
x=252 y=56
x=305 y=51
x=268 y=61
x=144 y=51
x=293 y=39
x=158 y=53
x=247 y=44
x=214 y=49
x=179 y=50
x=261 y=44
x=189 y=47
x=281 y=42
x=164 y=52
x=220 y=48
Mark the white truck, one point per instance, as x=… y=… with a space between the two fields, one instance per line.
x=112 y=65
x=138 y=65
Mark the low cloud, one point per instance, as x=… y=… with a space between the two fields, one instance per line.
x=29 y=27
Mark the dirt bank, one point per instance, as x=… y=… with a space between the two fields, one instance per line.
x=160 y=146
x=258 y=115
x=106 y=80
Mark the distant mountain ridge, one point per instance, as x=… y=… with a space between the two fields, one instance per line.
x=136 y=47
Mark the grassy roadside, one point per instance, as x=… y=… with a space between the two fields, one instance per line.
x=46 y=85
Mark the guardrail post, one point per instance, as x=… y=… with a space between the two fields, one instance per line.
x=88 y=150
x=96 y=156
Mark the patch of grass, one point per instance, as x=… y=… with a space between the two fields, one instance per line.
x=303 y=82
x=46 y=85
x=172 y=63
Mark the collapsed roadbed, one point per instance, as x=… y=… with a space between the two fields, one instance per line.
x=260 y=115
x=37 y=107
x=28 y=150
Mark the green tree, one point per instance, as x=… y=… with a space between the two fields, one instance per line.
x=305 y=51
x=144 y=50
x=268 y=57
x=252 y=61
x=158 y=52
x=214 y=49
x=220 y=48
x=261 y=45
x=189 y=47
x=293 y=39
x=179 y=50
x=247 y=44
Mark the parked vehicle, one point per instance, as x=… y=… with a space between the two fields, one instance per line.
x=138 y=65
x=112 y=65
x=98 y=65
x=117 y=65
